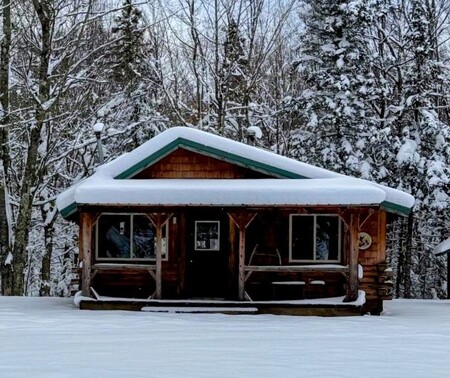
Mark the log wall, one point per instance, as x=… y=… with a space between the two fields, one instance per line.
x=376 y=282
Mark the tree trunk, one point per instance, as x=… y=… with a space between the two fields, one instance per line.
x=31 y=176
x=5 y=258
x=408 y=253
x=44 y=290
x=399 y=251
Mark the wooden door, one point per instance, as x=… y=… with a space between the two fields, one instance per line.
x=207 y=255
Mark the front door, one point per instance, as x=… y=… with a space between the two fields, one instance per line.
x=207 y=256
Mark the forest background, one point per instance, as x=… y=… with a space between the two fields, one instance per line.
x=359 y=87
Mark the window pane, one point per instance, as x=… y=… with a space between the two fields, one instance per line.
x=302 y=238
x=114 y=236
x=207 y=236
x=144 y=238
x=327 y=238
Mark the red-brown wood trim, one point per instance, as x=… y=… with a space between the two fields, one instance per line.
x=352 y=287
x=242 y=220
x=85 y=251
x=181 y=253
x=159 y=220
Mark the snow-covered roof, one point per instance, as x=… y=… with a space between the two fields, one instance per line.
x=296 y=183
x=442 y=247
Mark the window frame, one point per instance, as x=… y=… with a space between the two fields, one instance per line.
x=315 y=260
x=131 y=258
x=195 y=236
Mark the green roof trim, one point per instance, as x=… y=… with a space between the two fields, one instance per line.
x=209 y=151
x=395 y=208
x=224 y=156
x=148 y=161
x=69 y=210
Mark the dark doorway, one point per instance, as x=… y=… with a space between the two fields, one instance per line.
x=207 y=255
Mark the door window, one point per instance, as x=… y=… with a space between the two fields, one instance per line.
x=207 y=235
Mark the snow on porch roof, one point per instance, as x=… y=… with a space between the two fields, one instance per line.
x=112 y=179
x=240 y=192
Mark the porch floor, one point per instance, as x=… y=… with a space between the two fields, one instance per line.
x=308 y=307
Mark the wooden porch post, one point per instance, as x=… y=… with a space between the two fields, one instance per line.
x=352 y=288
x=85 y=253
x=448 y=275
x=159 y=220
x=242 y=221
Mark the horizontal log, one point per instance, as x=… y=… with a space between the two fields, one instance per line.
x=123 y=267
x=297 y=268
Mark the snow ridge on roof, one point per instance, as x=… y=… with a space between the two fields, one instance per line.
x=111 y=185
x=215 y=143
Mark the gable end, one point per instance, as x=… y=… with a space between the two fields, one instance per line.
x=186 y=164
x=211 y=152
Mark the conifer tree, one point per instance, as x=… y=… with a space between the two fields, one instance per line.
x=335 y=65
x=423 y=157
x=131 y=65
x=234 y=72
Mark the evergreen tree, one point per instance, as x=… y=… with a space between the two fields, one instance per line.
x=234 y=82
x=234 y=65
x=126 y=53
x=423 y=156
x=131 y=114
x=335 y=65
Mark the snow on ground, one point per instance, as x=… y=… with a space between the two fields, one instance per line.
x=50 y=337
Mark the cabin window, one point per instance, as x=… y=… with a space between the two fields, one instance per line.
x=127 y=237
x=315 y=238
x=207 y=235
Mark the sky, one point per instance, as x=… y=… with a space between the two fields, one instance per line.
x=51 y=337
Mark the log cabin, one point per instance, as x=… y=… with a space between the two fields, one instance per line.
x=192 y=215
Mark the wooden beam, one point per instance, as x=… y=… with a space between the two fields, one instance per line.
x=448 y=275
x=371 y=211
x=85 y=251
x=181 y=249
x=352 y=287
x=298 y=268
x=242 y=220
x=159 y=220
x=232 y=257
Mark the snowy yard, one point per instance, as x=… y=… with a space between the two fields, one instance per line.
x=49 y=337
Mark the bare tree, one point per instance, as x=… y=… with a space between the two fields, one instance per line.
x=5 y=219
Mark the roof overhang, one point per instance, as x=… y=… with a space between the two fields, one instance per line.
x=295 y=183
x=224 y=193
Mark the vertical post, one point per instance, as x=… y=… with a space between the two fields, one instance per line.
x=448 y=275
x=85 y=246
x=158 y=226
x=352 y=288
x=181 y=247
x=158 y=221
x=232 y=255
x=241 y=279
x=242 y=221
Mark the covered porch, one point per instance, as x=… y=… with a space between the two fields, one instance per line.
x=216 y=253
